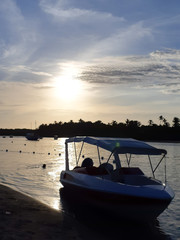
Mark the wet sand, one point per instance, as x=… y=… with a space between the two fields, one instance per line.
x=22 y=217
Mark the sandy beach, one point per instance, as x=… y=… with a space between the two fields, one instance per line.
x=22 y=217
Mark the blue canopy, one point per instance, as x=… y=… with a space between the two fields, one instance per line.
x=120 y=145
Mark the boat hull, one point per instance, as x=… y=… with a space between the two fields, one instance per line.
x=122 y=204
x=32 y=136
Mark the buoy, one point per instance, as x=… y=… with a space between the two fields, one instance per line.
x=44 y=165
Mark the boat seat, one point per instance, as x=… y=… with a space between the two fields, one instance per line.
x=87 y=170
x=118 y=174
x=105 y=168
x=80 y=170
x=92 y=171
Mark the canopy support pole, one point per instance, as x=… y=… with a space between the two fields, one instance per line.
x=128 y=159
x=109 y=157
x=66 y=156
x=80 y=152
x=99 y=155
x=75 y=153
x=117 y=160
x=159 y=163
x=151 y=166
x=165 y=171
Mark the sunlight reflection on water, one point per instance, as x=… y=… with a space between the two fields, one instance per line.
x=21 y=168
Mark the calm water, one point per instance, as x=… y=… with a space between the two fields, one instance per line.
x=21 y=168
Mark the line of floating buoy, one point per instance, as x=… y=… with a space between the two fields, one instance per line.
x=20 y=151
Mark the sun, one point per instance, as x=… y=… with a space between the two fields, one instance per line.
x=67 y=86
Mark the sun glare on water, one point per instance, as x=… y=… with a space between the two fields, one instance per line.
x=67 y=86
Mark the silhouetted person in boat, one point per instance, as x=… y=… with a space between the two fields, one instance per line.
x=87 y=162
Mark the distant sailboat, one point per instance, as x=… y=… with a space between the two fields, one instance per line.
x=33 y=136
x=55 y=137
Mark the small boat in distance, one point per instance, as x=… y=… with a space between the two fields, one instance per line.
x=55 y=137
x=113 y=186
x=32 y=136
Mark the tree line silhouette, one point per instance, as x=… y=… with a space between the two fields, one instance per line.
x=130 y=129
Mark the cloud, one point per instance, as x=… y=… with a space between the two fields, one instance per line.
x=166 y=54
x=95 y=33
x=16 y=33
x=159 y=68
x=81 y=31
x=72 y=31
x=22 y=73
x=66 y=10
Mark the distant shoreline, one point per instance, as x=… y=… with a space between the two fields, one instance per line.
x=130 y=129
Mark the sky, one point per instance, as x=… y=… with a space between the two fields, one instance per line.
x=63 y=60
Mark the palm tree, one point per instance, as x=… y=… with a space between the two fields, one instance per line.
x=114 y=123
x=161 y=119
x=176 y=122
x=151 y=123
x=165 y=123
x=127 y=122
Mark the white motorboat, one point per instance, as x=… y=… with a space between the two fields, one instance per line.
x=125 y=190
